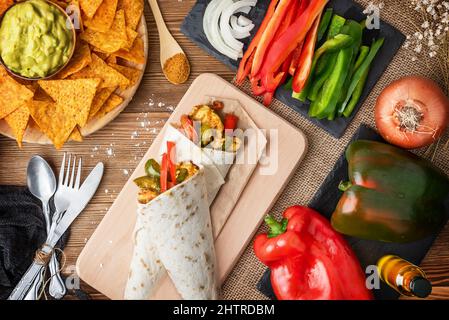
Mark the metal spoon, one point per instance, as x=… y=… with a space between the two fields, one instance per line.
x=41 y=182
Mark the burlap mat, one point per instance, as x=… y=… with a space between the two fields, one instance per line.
x=324 y=150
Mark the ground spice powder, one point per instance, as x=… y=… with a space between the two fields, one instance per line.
x=177 y=68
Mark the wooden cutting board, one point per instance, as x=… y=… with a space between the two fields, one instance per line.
x=104 y=262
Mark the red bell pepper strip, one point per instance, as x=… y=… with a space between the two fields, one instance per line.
x=296 y=54
x=230 y=121
x=256 y=87
x=268 y=98
x=269 y=34
x=248 y=56
x=189 y=130
x=281 y=48
x=164 y=172
x=305 y=61
x=171 y=151
x=309 y=260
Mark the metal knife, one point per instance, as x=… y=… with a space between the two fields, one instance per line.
x=86 y=192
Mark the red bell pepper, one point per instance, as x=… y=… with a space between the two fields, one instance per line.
x=306 y=58
x=309 y=260
x=248 y=56
x=171 y=151
x=164 y=172
x=189 y=130
x=230 y=121
x=269 y=34
x=281 y=48
x=297 y=52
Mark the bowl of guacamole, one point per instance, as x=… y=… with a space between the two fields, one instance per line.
x=37 y=39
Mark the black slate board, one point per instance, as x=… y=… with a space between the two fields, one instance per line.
x=368 y=252
x=192 y=27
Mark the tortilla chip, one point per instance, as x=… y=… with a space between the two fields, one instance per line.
x=76 y=135
x=135 y=54
x=75 y=96
x=100 y=98
x=132 y=74
x=74 y=12
x=53 y=120
x=112 y=40
x=131 y=36
x=4 y=5
x=18 y=121
x=81 y=58
x=104 y=16
x=113 y=102
x=89 y=7
x=111 y=59
x=12 y=94
x=133 y=12
x=99 y=69
x=62 y=4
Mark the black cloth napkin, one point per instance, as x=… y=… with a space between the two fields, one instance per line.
x=22 y=232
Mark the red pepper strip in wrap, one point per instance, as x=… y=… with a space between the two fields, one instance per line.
x=269 y=34
x=281 y=48
x=309 y=260
x=230 y=121
x=164 y=172
x=248 y=56
x=305 y=61
x=189 y=130
x=171 y=151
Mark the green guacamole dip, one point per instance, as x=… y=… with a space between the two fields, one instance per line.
x=34 y=39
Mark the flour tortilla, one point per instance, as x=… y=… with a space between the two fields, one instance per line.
x=174 y=233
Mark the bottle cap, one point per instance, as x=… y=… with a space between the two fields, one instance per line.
x=421 y=287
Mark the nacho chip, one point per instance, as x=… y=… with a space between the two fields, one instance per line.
x=62 y=4
x=111 y=59
x=133 y=12
x=112 y=40
x=100 y=98
x=135 y=54
x=18 y=121
x=76 y=135
x=99 y=69
x=75 y=96
x=4 y=5
x=113 y=102
x=12 y=94
x=104 y=16
x=89 y=7
x=53 y=119
x=81 y=58
x=131 y=36
x=74 y=12
x=132 y=74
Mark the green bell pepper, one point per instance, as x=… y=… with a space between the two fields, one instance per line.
x=392 y=195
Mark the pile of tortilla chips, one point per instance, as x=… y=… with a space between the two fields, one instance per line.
x=90 y=85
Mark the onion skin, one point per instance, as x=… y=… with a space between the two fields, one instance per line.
x=429 y=111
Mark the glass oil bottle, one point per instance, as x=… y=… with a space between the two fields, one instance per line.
x=403 y=276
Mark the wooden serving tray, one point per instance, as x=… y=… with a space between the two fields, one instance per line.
x=104 y=262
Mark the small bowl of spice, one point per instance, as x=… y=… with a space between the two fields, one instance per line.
x=37 y=39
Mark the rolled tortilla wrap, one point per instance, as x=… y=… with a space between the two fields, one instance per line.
x=187 y=150
x=146 y=268
x=178 y=229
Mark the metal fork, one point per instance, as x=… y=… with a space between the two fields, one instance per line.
x=67 y=187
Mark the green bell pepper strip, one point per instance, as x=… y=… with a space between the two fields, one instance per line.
x=324 y=24
x=355 y=30
x=361 y=70
x=356 y=95
x=363 y=53
x=321 y=60
x=332 y=45
x=392 y=195
x=321 y=78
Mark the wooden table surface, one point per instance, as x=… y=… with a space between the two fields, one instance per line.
x=122 y=143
